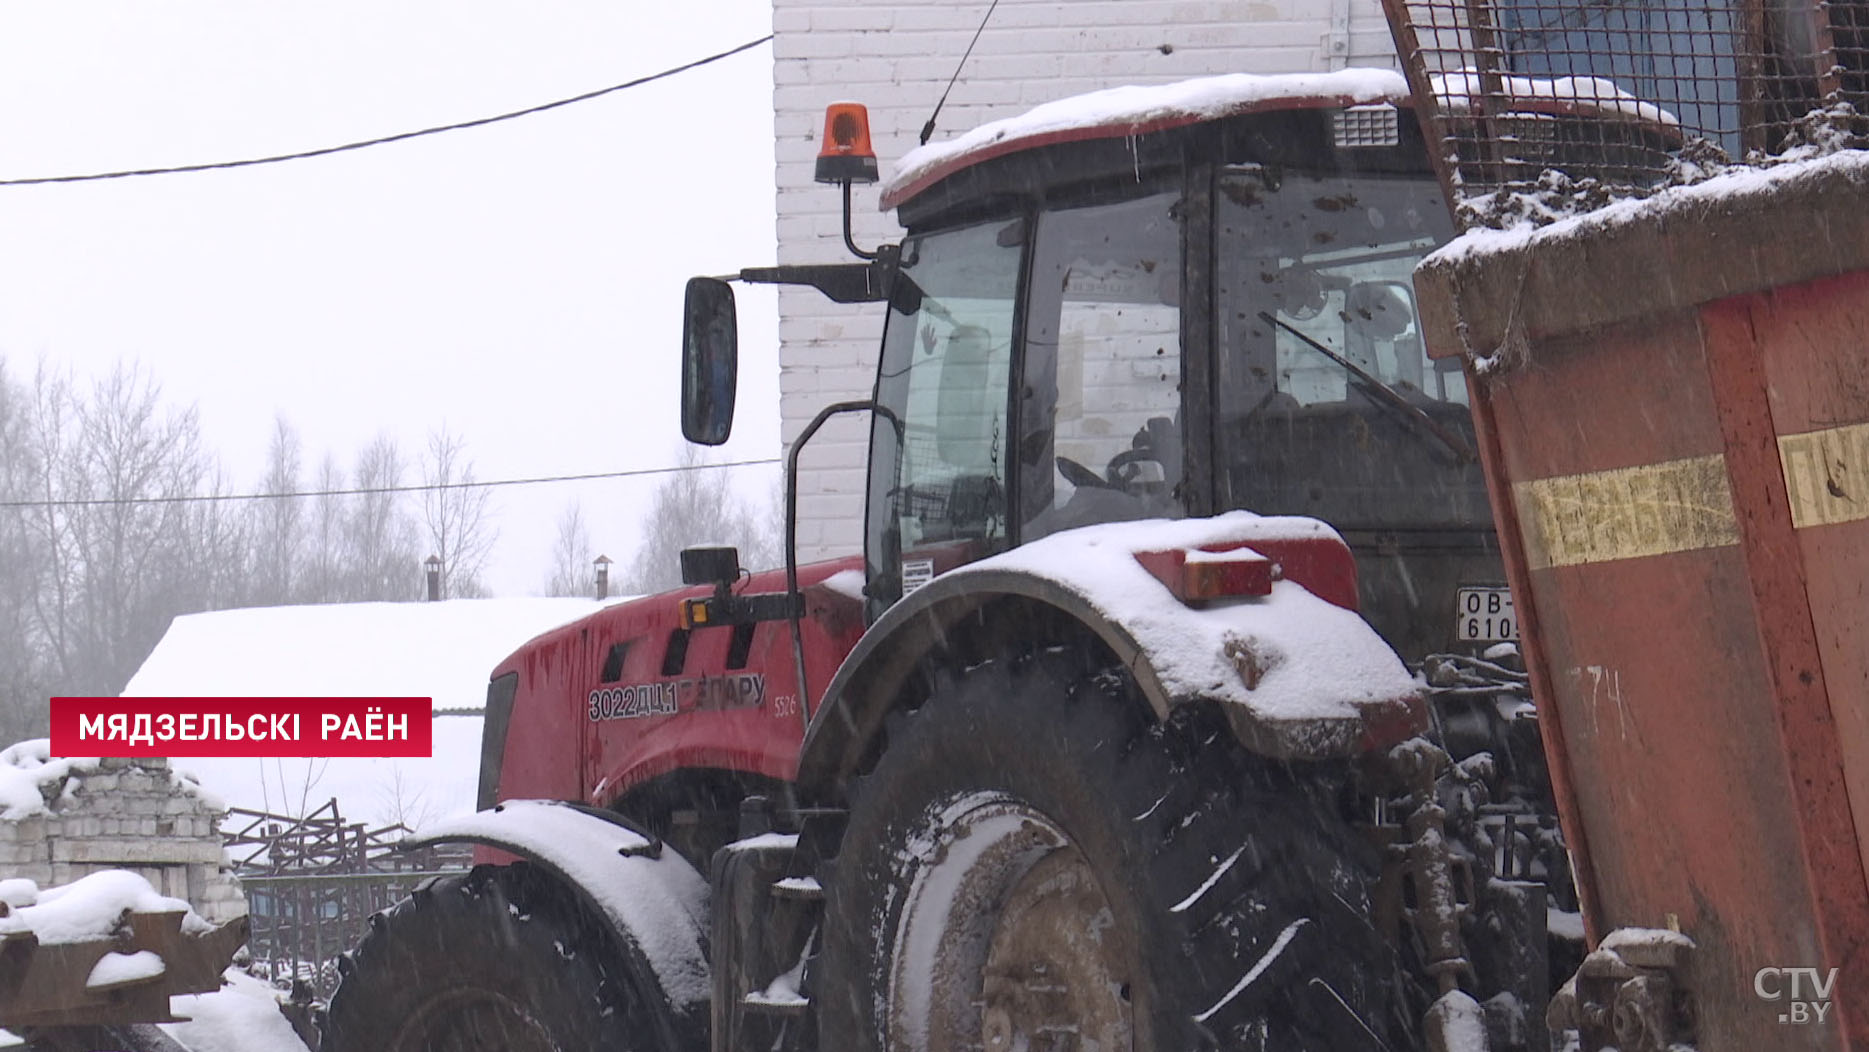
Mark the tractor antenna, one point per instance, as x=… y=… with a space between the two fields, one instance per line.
x=928 y=129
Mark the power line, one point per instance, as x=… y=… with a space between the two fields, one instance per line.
x=211 y=498
x=400 y=137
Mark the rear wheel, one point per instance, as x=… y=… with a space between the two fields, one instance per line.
x=503 y=959
x=1036 y=863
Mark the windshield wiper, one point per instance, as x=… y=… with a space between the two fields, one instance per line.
x=1383 y=393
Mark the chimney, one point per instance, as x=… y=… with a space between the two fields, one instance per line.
x=433 y=563
x=603 y=576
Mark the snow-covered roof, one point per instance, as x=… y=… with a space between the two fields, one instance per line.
x=444 y=651
x=440 y=650
x=1120 y=112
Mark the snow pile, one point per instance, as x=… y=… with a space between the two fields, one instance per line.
x=116 y=969
x=443 y=651
x=1647 y=947
x=1556 y=196
x=242 y=1016
x=1732 y=186
x=1117 y=112
x=33 y=783
x=847 y=583
x=1314 y=660
x=1457 y=1023
x=1595 y=96
x=18 y=891
x=87 y=908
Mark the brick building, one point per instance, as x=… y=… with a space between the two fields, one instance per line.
x=896 y=56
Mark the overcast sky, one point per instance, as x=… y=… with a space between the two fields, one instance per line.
x=520 y=283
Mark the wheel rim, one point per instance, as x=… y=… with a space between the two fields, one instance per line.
x=1006 y=941
x=472 y=1019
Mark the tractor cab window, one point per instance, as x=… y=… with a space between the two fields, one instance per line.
x=938 y=471
x=1328 y=404
x=1100 y=406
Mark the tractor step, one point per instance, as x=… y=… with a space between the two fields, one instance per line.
x=798 y=889
x=764 y=1003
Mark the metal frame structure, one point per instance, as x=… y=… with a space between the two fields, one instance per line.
x=1624 y=97
x=312 y=883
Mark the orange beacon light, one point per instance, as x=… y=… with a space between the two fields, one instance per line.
x=846 y=155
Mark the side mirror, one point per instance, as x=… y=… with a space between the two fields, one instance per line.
x=710 y=361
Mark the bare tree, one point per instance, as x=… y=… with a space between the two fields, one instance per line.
x=21 y=569
x=211 y=566
x=115 y=557
x=460 y=532
x=695 y=506
x=322 y=579
x=401 y=800
x=381 y=557
x=97 y=555
x=571 y=568
x=278 y=525
x=50 y=524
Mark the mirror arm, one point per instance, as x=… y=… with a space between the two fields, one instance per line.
x=839 y=282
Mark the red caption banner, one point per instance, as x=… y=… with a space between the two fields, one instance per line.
x=242 y=727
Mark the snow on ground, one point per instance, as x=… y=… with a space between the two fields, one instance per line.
x=242 y=1016
x=442 y=651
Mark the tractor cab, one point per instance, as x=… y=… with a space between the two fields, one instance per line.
x=1172 y=302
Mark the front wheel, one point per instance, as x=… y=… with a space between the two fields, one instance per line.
x=502 y=959
x=1036 y=863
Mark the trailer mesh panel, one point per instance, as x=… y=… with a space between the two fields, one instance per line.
x=1595 y=100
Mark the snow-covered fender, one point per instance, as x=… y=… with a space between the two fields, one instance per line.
x=654 y=901
x=1301 y=675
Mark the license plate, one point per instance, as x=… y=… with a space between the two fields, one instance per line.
x=1485 y=615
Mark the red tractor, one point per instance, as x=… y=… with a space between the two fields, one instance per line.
x=1107 y=739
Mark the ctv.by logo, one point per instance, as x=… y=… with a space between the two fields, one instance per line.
x=1805 y=992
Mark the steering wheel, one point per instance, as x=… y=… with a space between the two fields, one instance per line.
x=1082 y=477
x=1120 y=471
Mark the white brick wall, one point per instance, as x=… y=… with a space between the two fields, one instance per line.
x=895 y=57
x=128 y=814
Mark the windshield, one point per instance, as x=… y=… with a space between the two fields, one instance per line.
x=1328 y=404
x=938 y=485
